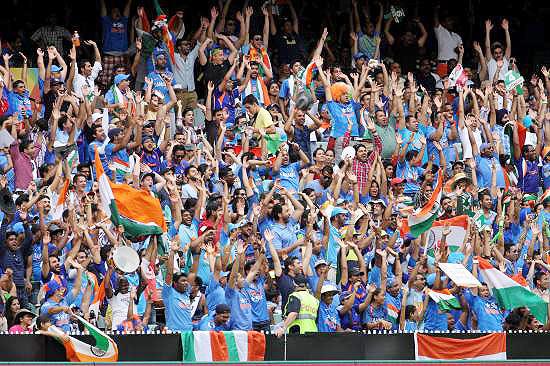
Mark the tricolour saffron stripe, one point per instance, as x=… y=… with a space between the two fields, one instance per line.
x=489 y=347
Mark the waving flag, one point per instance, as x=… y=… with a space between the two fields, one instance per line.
x=444 y=299
x=486 y=348
x=509 y=293
x=104 y=348
x=458 y=77
x=212 y=346
x=458 y=226
x=421 y=219
x=136 y=210
x=59 y=207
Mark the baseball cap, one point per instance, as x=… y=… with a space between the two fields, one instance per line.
x=144 y=175
x=222 y=308
x=224 y=274
x=146 y=138
x=354 y=271
x=320 y=262
x=396 y=181
x=54 y=228
x=54 y=81
x=337 y=211
x=484 y=146
x=359 y=55
x=56 y=68
x=239 y=224
x=113 y=132
x=121 y=77
x=329 y=288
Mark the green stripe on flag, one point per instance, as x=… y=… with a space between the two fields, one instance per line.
x=512 y=297
x=231 y=346
x=101 y=341
x=448 y=305
x=188 y=345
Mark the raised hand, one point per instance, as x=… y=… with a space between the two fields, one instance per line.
x=269 y=236
x=214 y=12
x=488 y=25
x=504 y=24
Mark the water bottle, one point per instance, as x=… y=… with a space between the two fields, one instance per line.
x=76 y=39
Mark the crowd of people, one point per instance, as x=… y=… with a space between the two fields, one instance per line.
x=286 y=172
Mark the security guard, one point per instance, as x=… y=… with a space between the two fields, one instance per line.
x=301 y=310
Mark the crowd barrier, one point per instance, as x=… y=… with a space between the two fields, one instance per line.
x=308 y=347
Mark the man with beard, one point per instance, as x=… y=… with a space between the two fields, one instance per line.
x=486 y=163
x=256 y=85
x=353 y=281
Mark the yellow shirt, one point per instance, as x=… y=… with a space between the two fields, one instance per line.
x=263 y=119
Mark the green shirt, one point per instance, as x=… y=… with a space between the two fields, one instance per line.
x=387 y=135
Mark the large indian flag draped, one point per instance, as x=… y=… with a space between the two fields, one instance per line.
x=491 y=347
x=136 y=210
x=104 y=348
x=444 y=299
x=209 y=346
x=509 y=293
x=421 y=219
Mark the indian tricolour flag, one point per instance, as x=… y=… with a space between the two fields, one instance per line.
x=509 y=293
x=421 y=219
x=103 y=349
x=491 y=347
x=57 y=211
x=393 y=313
x=136 y=210
x=236 y=346
x=458 y=226
x=444 y=299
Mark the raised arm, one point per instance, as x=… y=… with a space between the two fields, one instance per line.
x=508 y=51
x=488 y=28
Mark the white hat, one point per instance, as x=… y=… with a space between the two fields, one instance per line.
x=96 y=116
x=329 y=287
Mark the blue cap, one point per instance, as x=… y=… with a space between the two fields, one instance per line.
x=224 y=274
x=121 y=77
x=56 y=68
x=430 y=279
x=484 y=146
x=359 y=55
x=337 y=211
x=239 y=224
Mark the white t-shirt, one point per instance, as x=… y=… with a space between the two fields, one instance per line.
x=492 y=68
x=119 y=307
x=446 y=43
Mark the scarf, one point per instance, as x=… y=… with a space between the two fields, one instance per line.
x=262 y=90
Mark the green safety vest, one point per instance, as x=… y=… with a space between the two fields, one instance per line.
x=307 y=317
